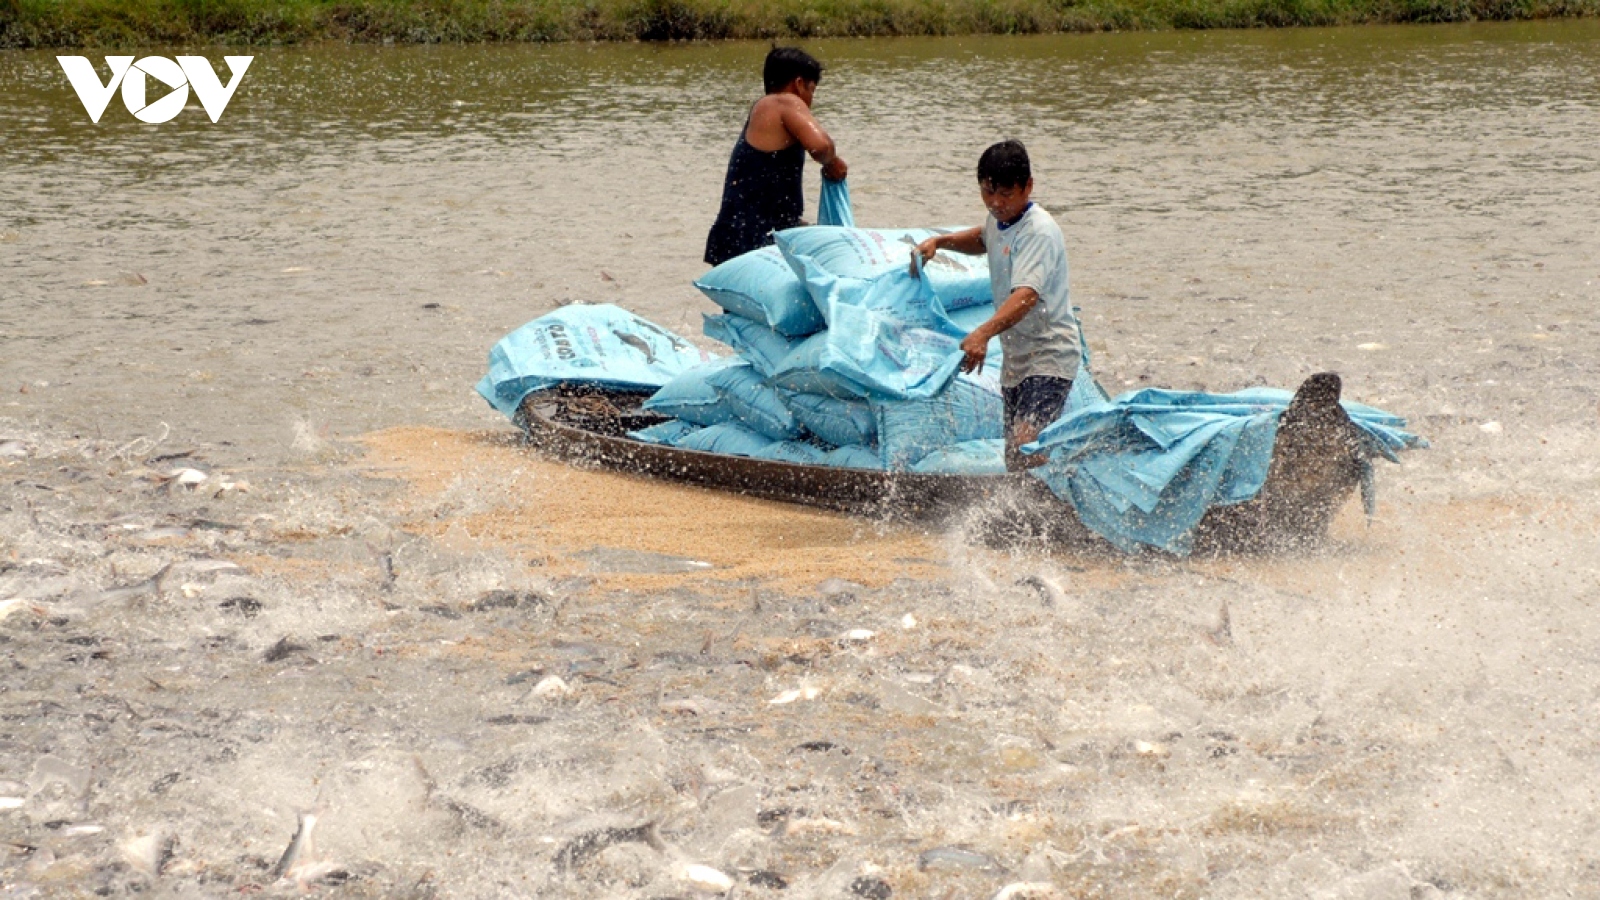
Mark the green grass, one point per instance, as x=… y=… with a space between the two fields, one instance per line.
x=110 y=23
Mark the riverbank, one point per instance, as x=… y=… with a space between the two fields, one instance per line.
x=108 y=23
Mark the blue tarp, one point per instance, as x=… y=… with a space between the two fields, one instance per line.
x=1141 y=470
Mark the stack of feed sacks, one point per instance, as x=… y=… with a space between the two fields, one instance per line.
x=842 y=358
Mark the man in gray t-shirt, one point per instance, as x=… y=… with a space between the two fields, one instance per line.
x=1033 y=307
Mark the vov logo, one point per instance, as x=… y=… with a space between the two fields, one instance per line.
x=187 y=72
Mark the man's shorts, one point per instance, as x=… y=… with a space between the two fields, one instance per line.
x=1037 y=400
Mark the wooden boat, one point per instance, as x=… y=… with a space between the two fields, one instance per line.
x=1317 y=463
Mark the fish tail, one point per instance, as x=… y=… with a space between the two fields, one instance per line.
x=652 y=836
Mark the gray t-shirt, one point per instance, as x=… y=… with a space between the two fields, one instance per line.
x=1032 y=253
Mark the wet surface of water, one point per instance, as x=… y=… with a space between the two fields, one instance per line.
x=468 y=659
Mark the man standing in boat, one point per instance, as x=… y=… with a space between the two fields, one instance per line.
x=1033 y=307
x=762 y=192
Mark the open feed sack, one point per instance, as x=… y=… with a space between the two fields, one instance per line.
x=852 y=257
x=865 y=354
x=601 y=345
x=691 y=397
x=909 y=299
x=753 y=403
x=762 y=286
x=968 y=409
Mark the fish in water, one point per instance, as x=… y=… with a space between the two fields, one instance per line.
x=282 y=650
x=1050 y=593
x=151 y=585
x=638 y=344
x=387 y=575
x=580 y=848
x=802 y=826
x=955 y=858
x=299 y=845
x=1222 y=634
x=467 y=815
x=706 y=878
x=7 y=607
x=871 y=888
x=150 y=853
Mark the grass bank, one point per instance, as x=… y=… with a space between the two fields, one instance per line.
x=109 y=23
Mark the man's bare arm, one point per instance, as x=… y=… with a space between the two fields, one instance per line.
x=969 y=240
x=976 y=345
x=797 y=118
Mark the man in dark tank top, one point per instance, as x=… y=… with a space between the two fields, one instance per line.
x=761 y=193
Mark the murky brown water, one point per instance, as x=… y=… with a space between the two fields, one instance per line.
x=1303 y=193
x=1408 y=714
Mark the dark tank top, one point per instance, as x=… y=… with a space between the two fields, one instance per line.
x=760 y=195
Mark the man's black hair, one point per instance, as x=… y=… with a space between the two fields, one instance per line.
x=1005 y=165
x=785 y=64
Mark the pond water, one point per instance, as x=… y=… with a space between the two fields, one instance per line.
x=296 y=302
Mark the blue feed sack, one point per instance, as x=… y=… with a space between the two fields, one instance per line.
x=668 y=433
x=601 y=345
x=794 y=452
x=898 y=294
x=833 y=207
x=853 y=458
x=969 y=409
x=852 y=252
x=866 y=354
x=691 y=398
x=754 y=403
x=839 y=422
x=856 y=256
x=762 y=286
x=729 y=438
x=980 y=457
x=759 y=345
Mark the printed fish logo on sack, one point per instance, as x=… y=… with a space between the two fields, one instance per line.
x=132 y=77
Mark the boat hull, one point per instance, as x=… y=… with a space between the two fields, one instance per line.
x=1318 y=462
